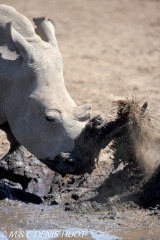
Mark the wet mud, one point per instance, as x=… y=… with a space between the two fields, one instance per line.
x=38 y=221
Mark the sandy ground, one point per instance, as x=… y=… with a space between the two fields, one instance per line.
x=110 y=49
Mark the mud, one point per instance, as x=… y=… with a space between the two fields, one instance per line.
x=39 y=220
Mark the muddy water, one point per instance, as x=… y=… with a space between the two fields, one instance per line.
x=12 y=232
x=50 y=234
x=35 y=222
x=137 y=234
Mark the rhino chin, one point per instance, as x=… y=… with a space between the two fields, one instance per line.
x=74 y=163
x=71 y=163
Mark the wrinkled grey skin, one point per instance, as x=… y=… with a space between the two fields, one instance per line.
x=33 y=99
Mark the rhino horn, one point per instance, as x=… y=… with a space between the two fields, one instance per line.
x=25 y=48
x=46 y=30
x=83 y=112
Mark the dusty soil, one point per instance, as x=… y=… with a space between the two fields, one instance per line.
x=111 y=50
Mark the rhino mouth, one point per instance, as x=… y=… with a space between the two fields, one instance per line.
x=75 y=162
x=96 y=135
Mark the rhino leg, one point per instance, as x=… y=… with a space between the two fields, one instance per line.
x=16 y=151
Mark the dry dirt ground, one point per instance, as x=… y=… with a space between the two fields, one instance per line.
x=111 y=49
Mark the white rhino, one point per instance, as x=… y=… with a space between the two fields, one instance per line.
x=36 y=110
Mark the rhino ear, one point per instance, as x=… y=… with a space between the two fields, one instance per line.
x=25 y=48
x=83 y=112
x=46 y=30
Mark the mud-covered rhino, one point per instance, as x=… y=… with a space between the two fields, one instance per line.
x=36 y=110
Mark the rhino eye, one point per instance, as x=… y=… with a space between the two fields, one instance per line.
x=49 y=119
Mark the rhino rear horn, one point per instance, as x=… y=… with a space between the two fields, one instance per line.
x=25 y=48
x=46 y=30
x=83 y=112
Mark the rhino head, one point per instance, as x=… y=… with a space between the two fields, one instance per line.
x=43 y=116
